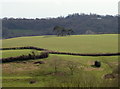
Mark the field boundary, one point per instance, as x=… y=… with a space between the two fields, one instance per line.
x=64 y=53
x=28 y=47
x=25 y=57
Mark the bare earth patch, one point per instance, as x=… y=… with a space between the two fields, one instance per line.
x=110 y=76
x=92 y=68
x=114 y=63
x=22 y=67
x=90 y=62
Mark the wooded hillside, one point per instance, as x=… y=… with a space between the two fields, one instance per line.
x=79 y=23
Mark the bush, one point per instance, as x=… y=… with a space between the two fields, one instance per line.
x=97 y=64
x=44 y=54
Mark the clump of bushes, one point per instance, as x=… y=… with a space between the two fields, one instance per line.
x=44 y=54
x=26 y=57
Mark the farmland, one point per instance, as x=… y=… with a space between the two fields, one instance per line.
x=106 y=43
x=22 y=73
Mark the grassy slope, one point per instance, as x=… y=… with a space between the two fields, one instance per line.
x=81 y=43
x=20 y=74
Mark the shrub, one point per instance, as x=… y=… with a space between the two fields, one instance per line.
x=97 y=64
x=44 y=54
x=55 y=63
x=72 y=66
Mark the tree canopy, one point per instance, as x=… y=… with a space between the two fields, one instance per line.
x=79 y=23
x=61 y=31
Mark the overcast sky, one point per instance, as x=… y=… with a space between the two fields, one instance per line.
x=55 y=8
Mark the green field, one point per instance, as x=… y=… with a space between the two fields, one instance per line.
x=20 y=74
x=13 y=53
x=106 y=43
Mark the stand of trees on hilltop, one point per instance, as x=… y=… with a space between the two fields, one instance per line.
x=79 y=23
x=61 y=31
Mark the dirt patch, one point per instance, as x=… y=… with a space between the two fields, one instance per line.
x=39 y=62
x=110 y=76
x=13 y=67
x=114 y=63
x=93 y=68
x=90 y=62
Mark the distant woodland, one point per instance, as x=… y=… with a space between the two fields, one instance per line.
x=79 y=23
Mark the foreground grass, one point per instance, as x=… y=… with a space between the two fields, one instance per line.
x=19 y=74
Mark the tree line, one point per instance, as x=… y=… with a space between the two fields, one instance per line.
x=79 y=23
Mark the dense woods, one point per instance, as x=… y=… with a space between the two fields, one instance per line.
x=79 y=23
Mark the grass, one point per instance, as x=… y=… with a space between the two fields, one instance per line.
x=13 y=53
x=19 y=74
x=106 y=43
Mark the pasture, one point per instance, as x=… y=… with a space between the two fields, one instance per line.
x=29 y=74
x=106 y=43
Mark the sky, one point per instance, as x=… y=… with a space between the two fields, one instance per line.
x=56 y=8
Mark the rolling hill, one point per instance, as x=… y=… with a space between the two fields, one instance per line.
x=29 y=74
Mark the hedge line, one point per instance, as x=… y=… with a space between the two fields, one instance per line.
x=80 y=54
x=25 y=57
x=65 y=53
x=29 y=47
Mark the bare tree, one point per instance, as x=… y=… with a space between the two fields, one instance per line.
x=55 y=62
x=59 y=30
x=72 y=66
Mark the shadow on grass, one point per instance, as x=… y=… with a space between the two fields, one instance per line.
x=94 y=66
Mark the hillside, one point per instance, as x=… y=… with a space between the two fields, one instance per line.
x=32 y=74
x=105 y=43
x=80 y=23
